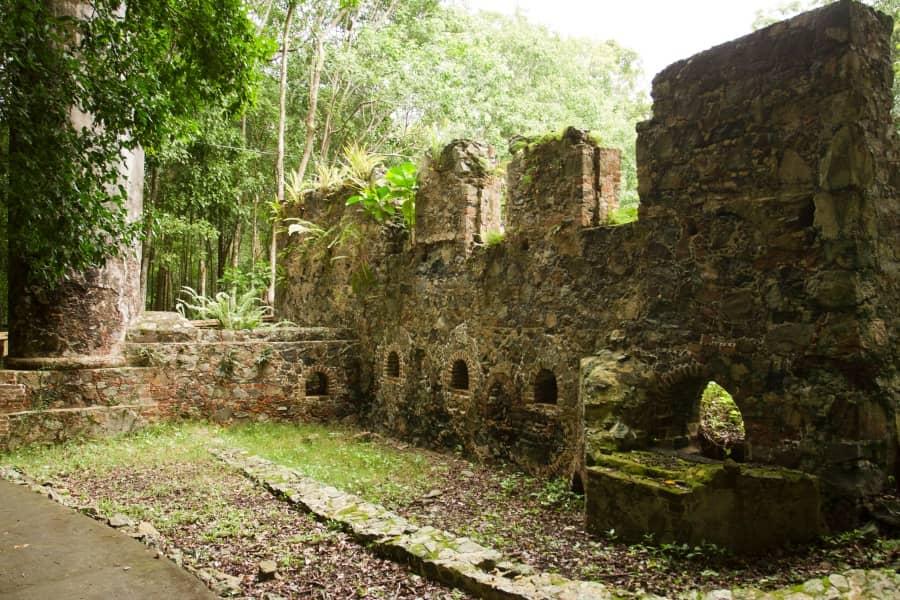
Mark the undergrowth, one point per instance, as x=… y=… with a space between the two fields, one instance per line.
x=371 y=469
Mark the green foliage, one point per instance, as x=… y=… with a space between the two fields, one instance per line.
x=720 y=419
x=623 y=215
x=246 y=279
x=557 y=493
x=360 y=163
x=264 y=357
x=329 y=177
x=374 y=470
x=142 y=77
x=494 y=237
x=231 y=309
x=152 y=445
x=392 y=195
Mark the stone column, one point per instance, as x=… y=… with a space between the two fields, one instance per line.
x=459 y=200
x=82 y=322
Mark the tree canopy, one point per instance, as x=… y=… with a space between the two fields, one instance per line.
x=142 y=72
x=397 y=79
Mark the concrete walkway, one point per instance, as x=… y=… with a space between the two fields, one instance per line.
x=49 y=551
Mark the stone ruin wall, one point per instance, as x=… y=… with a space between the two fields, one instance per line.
x=768 y=201
x=765 y=258
x=441 y=296
x=176 y=371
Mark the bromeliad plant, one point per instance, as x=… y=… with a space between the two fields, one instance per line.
x=390 y=196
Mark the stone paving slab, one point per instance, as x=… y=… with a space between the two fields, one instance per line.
x=50 y=551
x=482 y=571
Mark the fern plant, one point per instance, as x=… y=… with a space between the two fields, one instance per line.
x=231 y=309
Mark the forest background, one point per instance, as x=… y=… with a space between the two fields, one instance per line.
x=340 y=87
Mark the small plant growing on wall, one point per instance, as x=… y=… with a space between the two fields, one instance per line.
x=149 y=357
x=494 y=237
x=227 y=364
x=264 y=358
x=390 y=196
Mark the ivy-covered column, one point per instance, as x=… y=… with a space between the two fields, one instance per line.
x=77 y=319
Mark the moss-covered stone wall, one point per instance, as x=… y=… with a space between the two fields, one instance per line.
x=765 y=258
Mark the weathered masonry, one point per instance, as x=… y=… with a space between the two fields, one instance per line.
x=766 y=258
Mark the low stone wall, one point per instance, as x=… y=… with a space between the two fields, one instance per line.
x=181 y=372
x=747 y=509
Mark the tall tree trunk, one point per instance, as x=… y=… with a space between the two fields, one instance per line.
x=254 y=245
x=315 y=81
x=279 y=163
x=236 y=244
x=147 y=246
x=202 y=275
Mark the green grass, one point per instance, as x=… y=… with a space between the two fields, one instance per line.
x=371 y=469
x=494 y=237
x=720 y=415
x=152 y=445
x=374 y=470
x=623 y=215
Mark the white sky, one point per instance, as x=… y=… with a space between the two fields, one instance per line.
x=661 y=31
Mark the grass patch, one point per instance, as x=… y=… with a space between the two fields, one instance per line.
x=494 y=237
x=720 y=418
x=373 y=469
x=154 y=445
x=623 y=215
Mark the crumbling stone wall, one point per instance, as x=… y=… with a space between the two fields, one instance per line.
x=177 y=371
x=765 y=258
x=227 y=376
x=767 y=180
x=443 y=302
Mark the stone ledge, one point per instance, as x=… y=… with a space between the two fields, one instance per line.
x=439 y=555
x=65 y=363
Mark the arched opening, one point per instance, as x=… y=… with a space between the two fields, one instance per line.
x=577 y=486
x=317 y=384
x=720 y=432
x=459 y=376
x=392 y=367
x=545 y=390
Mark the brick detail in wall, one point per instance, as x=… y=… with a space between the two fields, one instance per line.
x=12 y=398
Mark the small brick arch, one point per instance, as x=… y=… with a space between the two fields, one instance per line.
x=321 y=381
x=393 y=364
x=461 y=374
x=545 y=388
